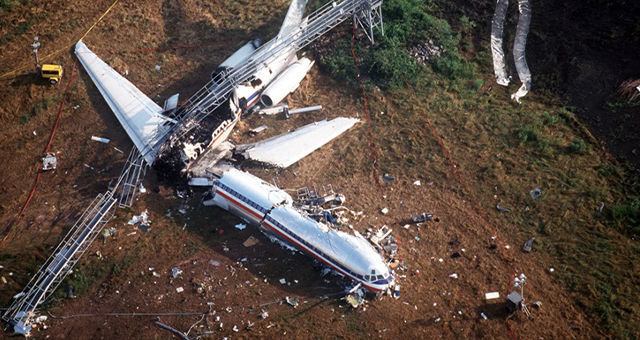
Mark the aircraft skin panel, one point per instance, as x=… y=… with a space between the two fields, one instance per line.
x=288 y=148
x=140 y=117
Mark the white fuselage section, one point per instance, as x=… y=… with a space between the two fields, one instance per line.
x=271 y=209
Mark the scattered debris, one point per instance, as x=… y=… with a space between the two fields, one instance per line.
x=264 y=314
x=492 y=295
x=4 y=280
x=502 y=209
x=179 y=290
x=453 y=276
x=250 y=242
x=109 y=232
x=283 y=281
x=49 y=162
x=483 y=316
x=424 y=217
x=551 y=270
x=158 y=67
x=455 y=255
x=241 y=226
x=527 y=245
x=537 y=304
x=384 y=211
x=143 y=218
x=288 y=113
x=292 y=301
x=355 y=300
x=426 y=51
x=120 y=151
x=387 y=178
x=182 y=335
x=535 y=193
x=175 y=272
x=214 y=263
x=258 y=130
x=417 y=183
x=100 y=139
x=601 y=207
x=396 y=291
x=69 y=292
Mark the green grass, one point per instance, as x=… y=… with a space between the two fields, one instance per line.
x=40 y=107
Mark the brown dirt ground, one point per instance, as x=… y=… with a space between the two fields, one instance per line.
x=432 y=305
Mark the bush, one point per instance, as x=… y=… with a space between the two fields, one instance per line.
x=578 y=146
x=406 y=24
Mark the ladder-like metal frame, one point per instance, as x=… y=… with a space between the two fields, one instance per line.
x=59 y=264
x=130 y=178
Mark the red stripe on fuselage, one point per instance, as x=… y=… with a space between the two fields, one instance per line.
x=243 y=207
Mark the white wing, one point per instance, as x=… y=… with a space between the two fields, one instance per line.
x=139 y=115
x=288 y=148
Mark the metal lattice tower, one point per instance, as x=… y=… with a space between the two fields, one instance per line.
x=131 y=177
x=59 y=264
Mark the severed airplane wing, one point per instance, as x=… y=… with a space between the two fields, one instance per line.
x=294 y=17
x=139 y=115
x=288 y=148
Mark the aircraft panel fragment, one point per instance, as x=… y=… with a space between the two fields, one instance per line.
x=288 y=148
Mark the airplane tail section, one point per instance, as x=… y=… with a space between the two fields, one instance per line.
x=141 y=118
x=294 y=17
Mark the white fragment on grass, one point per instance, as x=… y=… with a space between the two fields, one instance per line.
x=417 y=183
x=492 y=295
x=384 y=211
x=100 y=139
x=179 y=290
x=241 y=226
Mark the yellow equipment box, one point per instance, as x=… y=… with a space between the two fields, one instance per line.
x=51 y=72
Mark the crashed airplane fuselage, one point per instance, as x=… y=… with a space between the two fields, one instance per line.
x=271 y=209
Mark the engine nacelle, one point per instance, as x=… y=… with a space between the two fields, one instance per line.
x=239 y=56
x=286 y=82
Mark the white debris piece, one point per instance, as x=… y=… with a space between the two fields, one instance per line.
x=241 y=226
x=143 y=219
x=283 y=281
x=453 y=276
x=143 y=190
x=100 y=139
x=200 y=182
x=288 y=148
x=417 y=183
x=384 y=211
x=179 y=290
x=492 y=295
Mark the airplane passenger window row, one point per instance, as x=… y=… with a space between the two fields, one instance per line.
x=244 y=199
x=276 y=223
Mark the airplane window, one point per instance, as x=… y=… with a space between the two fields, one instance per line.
x=366 y=277
x=380 y=277
x=373 y=271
